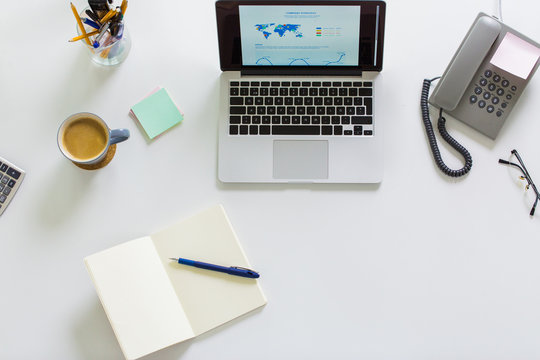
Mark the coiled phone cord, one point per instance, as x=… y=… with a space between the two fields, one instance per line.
x=445 y=135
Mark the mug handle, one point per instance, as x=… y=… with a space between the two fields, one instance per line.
x=118 y=135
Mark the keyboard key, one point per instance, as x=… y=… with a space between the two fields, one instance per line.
x=238 y=110
x=253 y=130
x=3 y=167
x=368 y=102
x=365 y=92
x=233 y=130
x=368 y=132
x=362 y=120
x=338 y=130
x=327 y=130
x=296 y=130
x=264 y=130
x=244 y=129
x=234 y=120
x=236 y=101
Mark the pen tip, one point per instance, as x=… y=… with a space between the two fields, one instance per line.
x=173 y=259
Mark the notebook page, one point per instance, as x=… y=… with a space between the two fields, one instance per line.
x=209 y=298
x=138 y=298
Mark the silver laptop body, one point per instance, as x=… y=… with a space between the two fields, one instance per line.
x=304 y=133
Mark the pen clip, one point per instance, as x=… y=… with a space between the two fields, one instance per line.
x=242 y=268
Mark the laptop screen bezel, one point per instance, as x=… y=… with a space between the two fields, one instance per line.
x=370 y=48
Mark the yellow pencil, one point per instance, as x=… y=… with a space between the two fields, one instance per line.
x=123 y=7
x=109 y=16
x=80 y=37
x=81 y=26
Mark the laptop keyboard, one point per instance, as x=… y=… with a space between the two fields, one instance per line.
x=340 y=108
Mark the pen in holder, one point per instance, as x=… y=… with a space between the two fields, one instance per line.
x=107 y=41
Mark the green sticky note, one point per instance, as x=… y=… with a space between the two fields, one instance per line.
x=157 y=113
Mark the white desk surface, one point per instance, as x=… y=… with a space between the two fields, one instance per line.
x=418 y=267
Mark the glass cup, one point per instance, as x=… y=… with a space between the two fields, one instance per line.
x=112 y=50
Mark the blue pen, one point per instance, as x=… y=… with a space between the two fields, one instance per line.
x=102 y=32
x=91 y=23
x=232 y=270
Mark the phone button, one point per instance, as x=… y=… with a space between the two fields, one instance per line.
x=496 y=78
x=478 y=90
x=490 y=109
x=481 y=104
x=488 y=73
x=504 y=105
x=500 y=92
x=487 y=95
x=505 y=83
x=473 y=99
x=499 y=113
x=492 y=87
x=495 y=100
x=483 y=82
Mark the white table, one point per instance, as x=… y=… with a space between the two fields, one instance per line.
x=418 y=267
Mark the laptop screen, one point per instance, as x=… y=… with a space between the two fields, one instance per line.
x=300 y=35
x=317 y=36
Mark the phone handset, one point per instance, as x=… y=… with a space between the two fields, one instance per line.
x=452 y=86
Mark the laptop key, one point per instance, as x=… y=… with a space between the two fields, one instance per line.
x=296 y=130
x=238 y=110
x=244 y=129
x=236 y=101
x=327 y=130
x=234 y=120
x=233 y=130
x=368 y=102
x=264 y=130
x=362 y=120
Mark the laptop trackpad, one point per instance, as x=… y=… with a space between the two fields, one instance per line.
x=300 y=159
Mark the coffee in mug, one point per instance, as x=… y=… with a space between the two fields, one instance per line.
x=84 y=138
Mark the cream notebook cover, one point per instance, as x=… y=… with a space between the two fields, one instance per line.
x=153 y=302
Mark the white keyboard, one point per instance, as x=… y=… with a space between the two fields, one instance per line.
x=11 y=178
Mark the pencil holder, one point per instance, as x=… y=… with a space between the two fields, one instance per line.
x=107 y=50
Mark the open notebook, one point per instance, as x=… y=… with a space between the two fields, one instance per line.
x=153 y=302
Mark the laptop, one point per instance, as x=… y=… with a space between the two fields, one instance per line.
x=297 y=85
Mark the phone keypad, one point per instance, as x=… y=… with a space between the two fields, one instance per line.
x=492 y=93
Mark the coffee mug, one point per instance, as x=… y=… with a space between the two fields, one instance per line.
x=85 y=138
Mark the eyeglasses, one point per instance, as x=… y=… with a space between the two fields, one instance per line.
x=526 y=176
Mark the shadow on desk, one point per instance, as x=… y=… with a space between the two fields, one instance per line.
x=94 y=335
x=294 y=186
x=67 y=187
x=96 y=340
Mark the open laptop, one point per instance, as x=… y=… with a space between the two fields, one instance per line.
x=297 y=91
